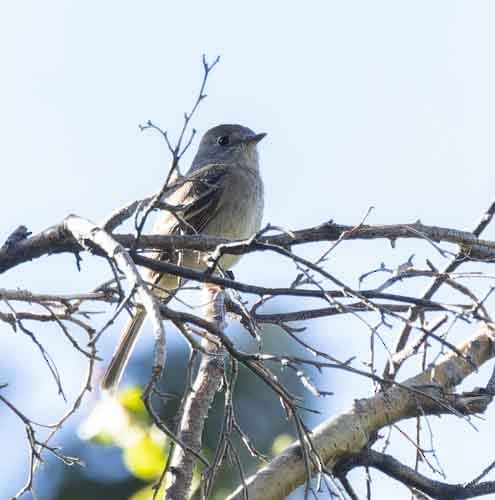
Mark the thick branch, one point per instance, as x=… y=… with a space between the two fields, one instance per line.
x=56 y=239
x=349 y=432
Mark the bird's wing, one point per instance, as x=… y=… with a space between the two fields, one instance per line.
x=199 y=195
x=203 y=200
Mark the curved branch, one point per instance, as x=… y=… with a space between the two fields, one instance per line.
x=395 y=469
x=349 y=432
x=89 y=235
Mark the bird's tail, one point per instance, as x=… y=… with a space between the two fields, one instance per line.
x=122 y=353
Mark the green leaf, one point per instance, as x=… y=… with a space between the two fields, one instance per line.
x=130 y=399
x=145 y=458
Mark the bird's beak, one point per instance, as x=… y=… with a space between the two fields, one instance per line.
x=254 y=139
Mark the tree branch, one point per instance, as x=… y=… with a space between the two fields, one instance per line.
x=462 y=256
x=90 y=236
x=198 y=400
x=349 y=432
x=56 y=239
x=436 y=489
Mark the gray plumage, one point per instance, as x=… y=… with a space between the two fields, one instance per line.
x=222 y=195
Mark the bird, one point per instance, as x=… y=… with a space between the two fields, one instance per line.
x=221 y=195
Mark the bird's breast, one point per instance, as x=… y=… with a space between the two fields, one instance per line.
x=240 y=212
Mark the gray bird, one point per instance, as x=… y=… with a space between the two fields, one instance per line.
x=221 y=195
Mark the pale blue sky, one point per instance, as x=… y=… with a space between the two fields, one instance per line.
x=382 y=103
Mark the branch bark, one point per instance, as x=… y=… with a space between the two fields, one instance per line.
x=57 y=239
x=88 y=235
x=436 y=489
x=349 y=432
x=197 y=403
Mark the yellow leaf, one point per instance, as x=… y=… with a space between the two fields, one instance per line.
x=145 y=458
x=130 y=399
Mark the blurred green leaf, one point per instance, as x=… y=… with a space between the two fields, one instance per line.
x=130 y=399
x=145 y=458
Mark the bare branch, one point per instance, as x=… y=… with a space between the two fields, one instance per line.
x=56 y=240
x=198 y=400
x=87 y=234
x=351 y=431
x=464 y=254
x=436 y=489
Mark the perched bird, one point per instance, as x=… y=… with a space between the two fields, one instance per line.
x=221 y=195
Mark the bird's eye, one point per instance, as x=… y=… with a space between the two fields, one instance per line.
x=223 y=140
